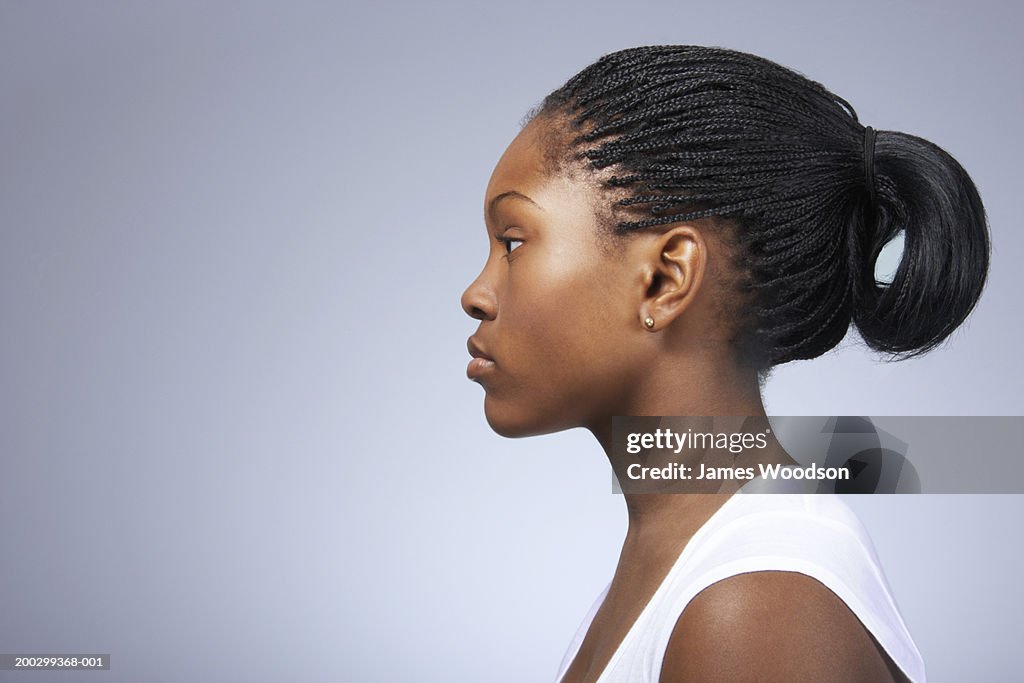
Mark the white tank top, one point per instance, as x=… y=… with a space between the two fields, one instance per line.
x=813 y=534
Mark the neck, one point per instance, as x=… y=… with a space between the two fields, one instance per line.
x=698 y=388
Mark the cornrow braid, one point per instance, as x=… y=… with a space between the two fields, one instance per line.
x=694 y=132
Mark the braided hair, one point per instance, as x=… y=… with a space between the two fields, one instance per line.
x=696 y=132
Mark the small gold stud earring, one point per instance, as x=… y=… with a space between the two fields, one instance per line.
x=649 y=322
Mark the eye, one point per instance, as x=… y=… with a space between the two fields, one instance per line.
x=511 y=244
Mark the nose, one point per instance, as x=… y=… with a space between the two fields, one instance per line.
x=479 y=301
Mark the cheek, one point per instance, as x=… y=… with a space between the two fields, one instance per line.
x=548 y=301
x=567 y=322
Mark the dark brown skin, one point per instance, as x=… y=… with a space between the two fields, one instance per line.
x=561 y=316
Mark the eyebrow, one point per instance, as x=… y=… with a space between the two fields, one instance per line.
x=503 y=195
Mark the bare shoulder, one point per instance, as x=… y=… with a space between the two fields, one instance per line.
x=773 y=626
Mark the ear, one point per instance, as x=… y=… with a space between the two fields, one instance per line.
x=676 y=261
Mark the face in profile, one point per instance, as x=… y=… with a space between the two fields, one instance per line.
x=557 y=308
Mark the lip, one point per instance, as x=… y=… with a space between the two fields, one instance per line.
x=481 y=362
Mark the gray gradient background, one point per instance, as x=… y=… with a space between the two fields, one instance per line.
x=237 y=441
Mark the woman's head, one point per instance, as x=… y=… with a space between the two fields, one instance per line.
x=752 y=181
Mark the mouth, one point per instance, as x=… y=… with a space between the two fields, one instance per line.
x=481 y=363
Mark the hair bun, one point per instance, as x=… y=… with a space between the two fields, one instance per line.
x=924 y=193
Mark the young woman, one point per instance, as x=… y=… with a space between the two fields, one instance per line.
x=667 y=226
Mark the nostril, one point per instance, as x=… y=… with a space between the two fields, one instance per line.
x=478 y=302
x=472 y=309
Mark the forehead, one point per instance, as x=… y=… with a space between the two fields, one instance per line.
x=522 y=166
x=533 y=164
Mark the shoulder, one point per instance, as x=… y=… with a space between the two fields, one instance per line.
x=772 y=626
